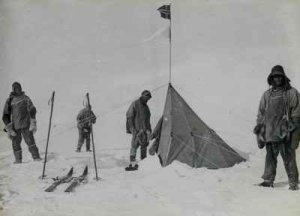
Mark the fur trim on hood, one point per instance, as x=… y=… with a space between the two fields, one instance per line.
x=278 y=71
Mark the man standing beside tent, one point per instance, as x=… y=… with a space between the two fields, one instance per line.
x=138 y=124
x=19 y=119
x=278 y=125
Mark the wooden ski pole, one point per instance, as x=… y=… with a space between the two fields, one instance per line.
x=92 y=135
x=49 y=130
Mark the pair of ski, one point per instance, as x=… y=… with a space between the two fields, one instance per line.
x=75 y=181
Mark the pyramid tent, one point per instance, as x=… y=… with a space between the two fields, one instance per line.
x=186 y=138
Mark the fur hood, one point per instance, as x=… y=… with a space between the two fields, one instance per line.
x=278 y=71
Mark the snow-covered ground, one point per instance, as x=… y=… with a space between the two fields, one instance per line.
x=222 y=52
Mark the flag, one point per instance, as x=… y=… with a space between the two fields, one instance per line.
x=165 y=11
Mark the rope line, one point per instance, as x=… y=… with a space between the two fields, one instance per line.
x=196 y=97
x=207 y=139
x=102 y=114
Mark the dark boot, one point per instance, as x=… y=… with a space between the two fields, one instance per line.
x=34 y=152
x=294 y=186
x=88 y=142
x=132 y=158
x=266 y=184
x=18 y=157
x=143 y=152
x=29 y=140
x=88 y=145
x=132 y=167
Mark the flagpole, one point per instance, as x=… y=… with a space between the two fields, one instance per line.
x=170 y=50
x=165 y=12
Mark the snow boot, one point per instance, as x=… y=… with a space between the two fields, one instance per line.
x=17 y=162
x=18 y=157
x=132 y=167
x=294 y=186
x=143 y=153
x=34 y=152
x=266 y=184
x=88 y=145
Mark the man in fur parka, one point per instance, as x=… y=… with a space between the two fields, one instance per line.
x=138 y=124
x=19 y=119
x=278 y=126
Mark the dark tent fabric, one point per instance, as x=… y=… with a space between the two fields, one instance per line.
x=186 y=138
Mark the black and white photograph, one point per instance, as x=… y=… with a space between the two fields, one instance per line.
x=149 y=107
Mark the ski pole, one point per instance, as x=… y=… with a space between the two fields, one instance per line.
x=49 y=130
x=92 y=135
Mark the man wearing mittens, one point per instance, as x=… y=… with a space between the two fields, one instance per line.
x=278 y=127
x=19 y=119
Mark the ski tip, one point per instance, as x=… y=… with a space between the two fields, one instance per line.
x=71 y=171
x=48 y=190
x=85 y=172
x=68 y=190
